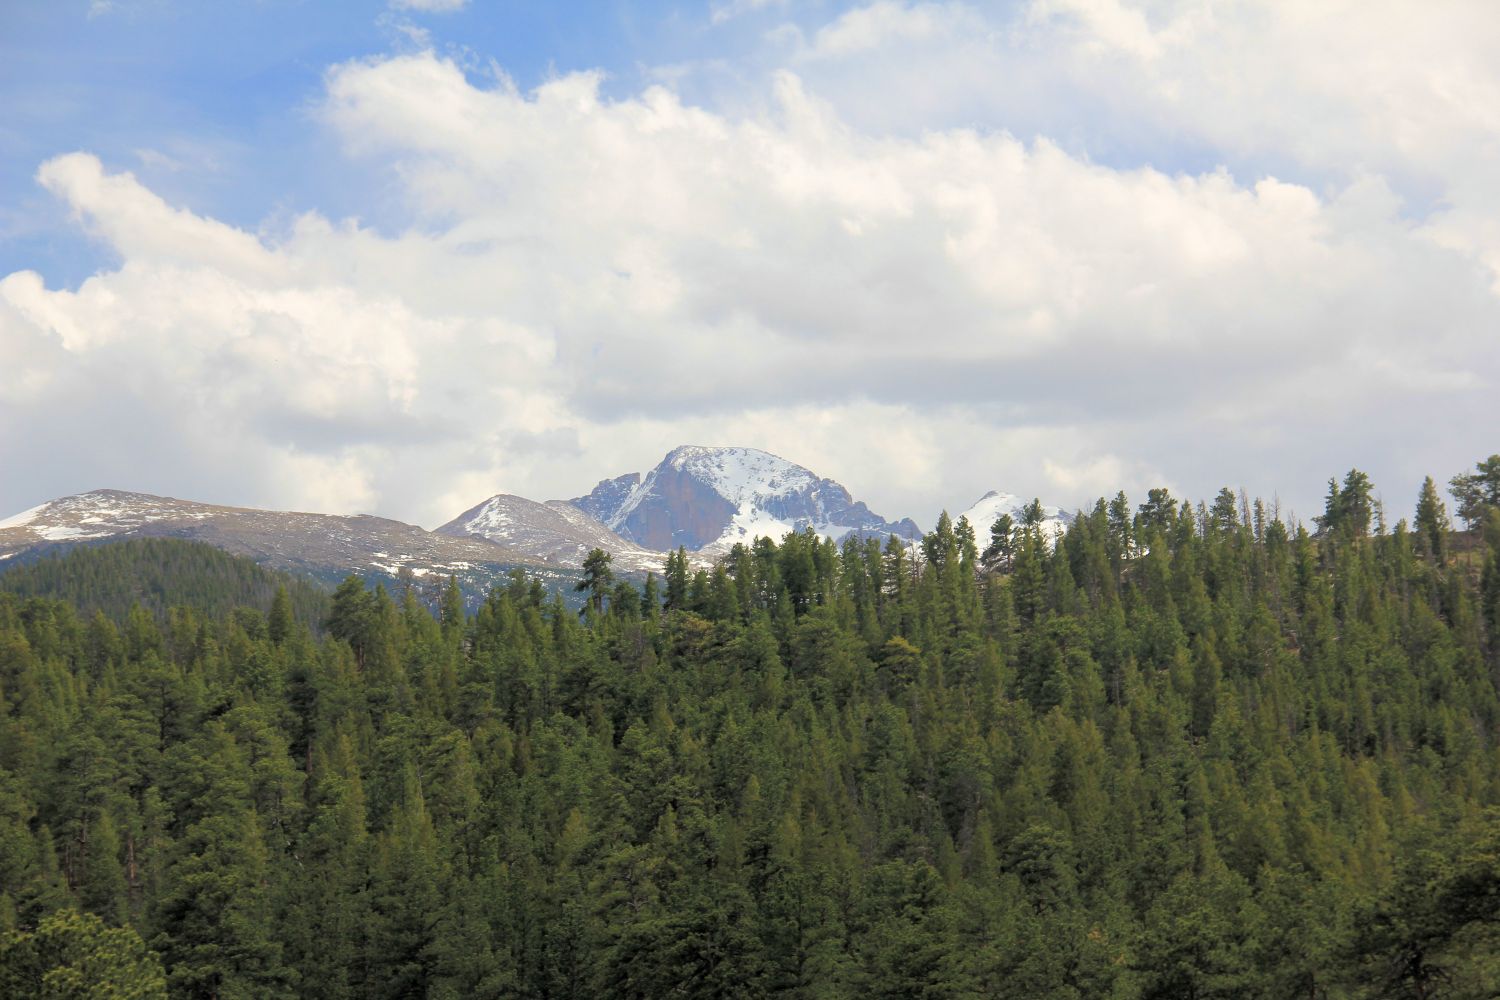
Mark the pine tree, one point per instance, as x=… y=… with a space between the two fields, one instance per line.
x=1158 y=513
x=1432 y=520
x=451 y=611
x=75 y=956
x=407 y=886
x=215 y=927
x=1357 y=509
x=1001 y=550
x=101 y=883
x=353 y=617
x=676 y=575
x=279 y=622
x=1477 y=491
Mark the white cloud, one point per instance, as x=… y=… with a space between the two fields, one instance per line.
x=430 y=6
x=259 y=368
x=1324 y=92
x=924 y=314
x=883 y=23
x=1109 y=26
x=142 y=227
x=1372 y=85
x=724 y=12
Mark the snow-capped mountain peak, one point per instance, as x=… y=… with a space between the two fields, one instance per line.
x=741 y=474
x=709 y=498
x=989 y=508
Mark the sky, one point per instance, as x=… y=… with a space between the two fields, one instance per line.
x=397 y=257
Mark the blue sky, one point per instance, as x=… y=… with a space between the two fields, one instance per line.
x=220 y=91
x=370 y=257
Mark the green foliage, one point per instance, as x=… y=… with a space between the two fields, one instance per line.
x=1186 y=751
x=75 y=956
x=157 y=574
x=1477 y=492
x=1348 y=507
x=597 y=578
x=1432 y=521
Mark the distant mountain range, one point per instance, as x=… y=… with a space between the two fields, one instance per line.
x=325 y=546
x=703 y=499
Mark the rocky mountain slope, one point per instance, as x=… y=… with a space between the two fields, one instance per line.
x=325 y=546
x=707 y=499
x=555 y=532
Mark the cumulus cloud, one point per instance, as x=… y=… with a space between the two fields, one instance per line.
x=141 y=227
x=212 y=361
x=924 y=314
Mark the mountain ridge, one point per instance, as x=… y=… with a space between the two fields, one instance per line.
x=324 y=546
x=707 y=498
x=554 y=531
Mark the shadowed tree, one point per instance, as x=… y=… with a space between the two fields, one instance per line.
x=596 y=582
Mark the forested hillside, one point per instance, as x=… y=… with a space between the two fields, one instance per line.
x=1188 y=753
x=158 y=574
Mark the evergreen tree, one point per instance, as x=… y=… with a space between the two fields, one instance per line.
x=1477 y=492
x=216 y=931
x=999 y=553
x=279 y=623
x=1159 y=511
x=1432 y=520
x=676 y=576
x=73 y=956
x=597 y=578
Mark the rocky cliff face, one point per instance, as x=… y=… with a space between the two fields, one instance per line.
x=677 y=509
x=707 y=499
x=606 y=499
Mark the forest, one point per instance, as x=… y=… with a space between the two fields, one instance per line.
x=1185 y=751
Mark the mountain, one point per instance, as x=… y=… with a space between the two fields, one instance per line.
x=707 y=499
x=988 y=509
x=608 y=498
x=554 y=532
x=326 y=546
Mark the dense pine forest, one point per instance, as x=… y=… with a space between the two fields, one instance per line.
x=158 y=574
x=1185 y=751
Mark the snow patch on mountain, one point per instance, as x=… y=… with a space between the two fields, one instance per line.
x=707 y=499
x=556 y=532
x=103 y=512
x=25 y=517
x=989 y=508
x=322 y=544
x=743 y=476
